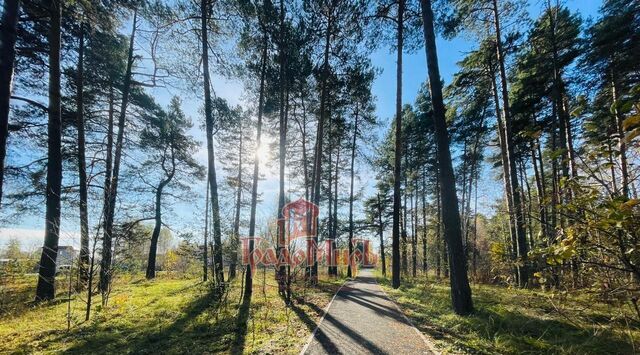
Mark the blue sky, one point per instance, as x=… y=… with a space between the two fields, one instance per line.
x=30 y=231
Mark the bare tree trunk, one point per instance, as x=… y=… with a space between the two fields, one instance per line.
x=111 y=190
x=205 y=257
x=82 y=165
x=439 y=243
x=542 y=211
x=47 y=271
x=397 y=168
x=424 y=221
x=622 y=144
x=381 y=235
x=460 y=290
x=153 y=248
x=211 y=158
x=281 y=273
x=317 y=165
x=523 y=273
x=10 y=12
x=248 y=285
x=403 y=226
x=353 y=159
x=236 y=220
x=414 y=238
x=505 y=170
x=334 y=232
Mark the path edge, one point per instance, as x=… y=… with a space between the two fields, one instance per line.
x=324 y=314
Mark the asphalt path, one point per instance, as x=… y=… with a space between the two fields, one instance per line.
x=361 y=319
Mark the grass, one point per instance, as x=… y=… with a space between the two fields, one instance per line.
x=168 y=315
x=515 y=321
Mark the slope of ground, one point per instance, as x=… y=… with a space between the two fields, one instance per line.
x=514 y=321
x=167 y=315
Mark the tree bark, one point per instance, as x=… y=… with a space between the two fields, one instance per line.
x=205 y=257
x=82 y=165
x=334 y=232
x=521 y=238
x=280 y=247
x=47 y=272
x=111 y=191
x=622 y=144
x=460 y=290
x=236 y=219
x=353 y=160
x=424 y=221
x=256 y=175
x=211 y=158
x=397 y=168
x=317 y=165
x=10 y=12
x=381 y=235
x=153 y=248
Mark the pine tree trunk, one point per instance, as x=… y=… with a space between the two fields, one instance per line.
x=334 y=232
x=460 y=290
x=397 y=168
x=111 y=191
x=521 y=239
x=281 y=274
x=82 y=165
x=153 y=247
x=539 y=180
x=10 y=12
x=236 y=219
x=439 y=244
x=248 y=284
x=317 y=165
x=505 y=170
x=424 y=221
x=381 y=235
x=205 y=257
x=330 y=191
x=622 y=144
x=403 y=225
x=353 y=159
x=47 y=271
x=211 y=158
x=414 y=240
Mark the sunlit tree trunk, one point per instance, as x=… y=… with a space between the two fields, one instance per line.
x=521 y=239
x=353 y=159
x=211 y=159
x=317 y=165
x=155 y=235
x=460 y=290
x=82 y=165
x=111 y=188
x=281 y=273
x=236 y=219
x=397 y=167
x=248 y=286
x=381 y=235
x=47 y=271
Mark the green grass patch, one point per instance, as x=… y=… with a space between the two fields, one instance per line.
x=171 y=316
x=515 y=321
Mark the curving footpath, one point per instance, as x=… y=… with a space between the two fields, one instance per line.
x=361 y=319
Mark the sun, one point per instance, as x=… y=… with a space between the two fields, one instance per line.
x=262 y=153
